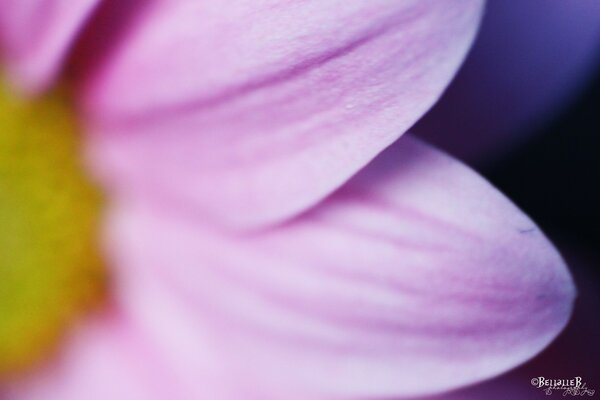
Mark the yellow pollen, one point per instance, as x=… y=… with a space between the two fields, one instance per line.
x=50 y=269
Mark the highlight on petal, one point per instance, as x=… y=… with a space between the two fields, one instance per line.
x=416 y=277
x=103 y=360
x=109 y=358
x=529 y=61
x=35 y=36
x=251 y=111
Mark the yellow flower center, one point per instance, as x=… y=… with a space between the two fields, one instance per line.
x=50 y=268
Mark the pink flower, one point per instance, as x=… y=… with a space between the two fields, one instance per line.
x=250 y=257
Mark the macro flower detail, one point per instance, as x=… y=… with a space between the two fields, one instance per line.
x=49 y=262
x=36 y=37
x=259 y=239
x=394 y=278
x=276 y=112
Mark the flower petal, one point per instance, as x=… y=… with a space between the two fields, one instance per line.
x=102 y=361
x=110 y=359
x=515 y=79
x=35 y=36
x=253 y=111
x=414 y=278
x=574 y=354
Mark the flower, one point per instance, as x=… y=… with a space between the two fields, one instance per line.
x=248 y=257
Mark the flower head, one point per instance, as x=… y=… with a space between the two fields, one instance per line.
x=249 y=257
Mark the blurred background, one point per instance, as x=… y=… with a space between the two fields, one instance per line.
x=555 y=175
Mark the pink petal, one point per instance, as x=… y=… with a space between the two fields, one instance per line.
x=416 y=277
x=35 y=36
x=103 y=360
x=110 y=359
x=530 y=60
x=574 y=354
x=253 y=111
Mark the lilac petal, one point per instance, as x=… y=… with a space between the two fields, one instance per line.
x=103 y=360
x=415 y=278
x=253 y=111
x=35 y=36
x=110 y=359
x=574 y=354
x=530 y=59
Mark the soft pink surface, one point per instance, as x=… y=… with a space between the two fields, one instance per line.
x=36 y=35
x=574 y=353
x=528 y=63
x=252 y=111
x=416 y=277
